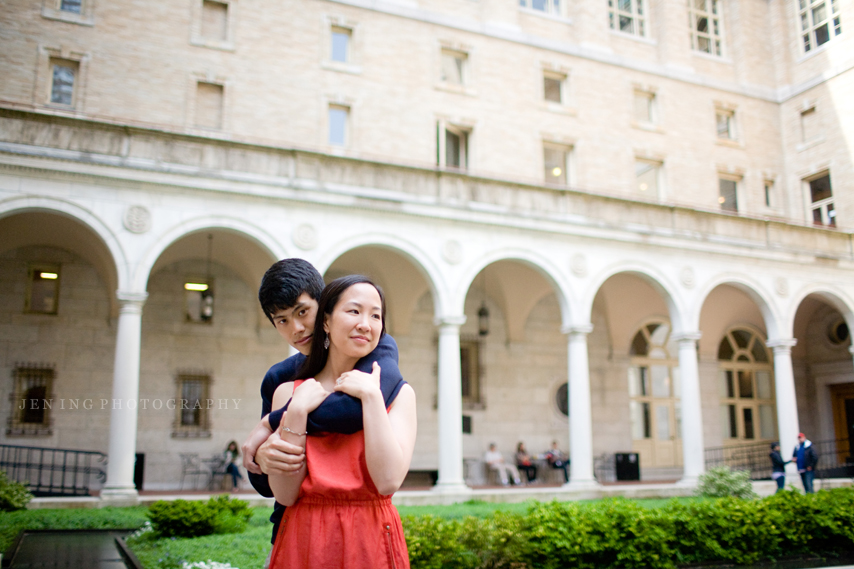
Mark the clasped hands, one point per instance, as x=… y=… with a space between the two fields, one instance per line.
x=265 y=452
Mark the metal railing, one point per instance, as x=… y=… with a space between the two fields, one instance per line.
x=53 y=471
x=835 y=458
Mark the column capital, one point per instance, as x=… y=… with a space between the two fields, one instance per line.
x=131 y=301
x=687 y=336
x=782 y=345
x=443 y=321
x=575 y=329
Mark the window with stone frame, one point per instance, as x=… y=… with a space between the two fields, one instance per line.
x=192 y=405
x=210 y=98
x=746 y=388
x=627 y=16
x=644 y=107
x=453 y=146
x=31 y=395
x=454 y=67
x=74 y=6
x=655 y=408
x=42 y=289
x=648 y=178
x=810 y=126
x=341 y=39
x=63 y=78
x=553 y=87
x=556 y=159
x=705 y=22
x=339 y=122
x=728 y=194
x=819 y=22
x=545 y=6
x=725 y=124
x=821 y=200
x=214 y=20
x=470 y=370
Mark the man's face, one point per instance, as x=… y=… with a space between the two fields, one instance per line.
x=296 y=323
x=801 y=439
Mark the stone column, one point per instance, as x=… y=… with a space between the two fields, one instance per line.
x=693 y=457
x=450 y=403
x=123 y=416
x=580 y=416
x=787 y=403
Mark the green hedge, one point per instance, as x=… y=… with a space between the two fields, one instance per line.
x=183 y=518
x=621 y=533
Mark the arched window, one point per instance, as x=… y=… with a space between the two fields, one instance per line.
x=746 y=383
x=654 y=397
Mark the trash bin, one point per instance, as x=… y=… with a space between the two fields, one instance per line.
x=139 y=470
x=627 y=466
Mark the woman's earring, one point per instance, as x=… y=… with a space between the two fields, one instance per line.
x=326 y=343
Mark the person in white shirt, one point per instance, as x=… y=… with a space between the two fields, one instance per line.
x=495 y=461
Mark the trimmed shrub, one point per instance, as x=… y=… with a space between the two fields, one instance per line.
x=721 y=482
x=183 y=518
x=13 y=495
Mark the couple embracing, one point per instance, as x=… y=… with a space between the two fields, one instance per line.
x=338 y=424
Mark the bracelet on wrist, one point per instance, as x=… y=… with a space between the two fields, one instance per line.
x=287 y=430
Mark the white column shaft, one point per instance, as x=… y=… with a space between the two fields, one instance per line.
x=450 y=403
x=692 y=418
x=123 y=415
x=787 y=403
x=580 y=416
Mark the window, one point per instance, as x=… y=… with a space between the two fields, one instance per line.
x=338 y=119
x=470 y=368
x=769 y=191
x=340 y=44
x=454 y=67
x=547 y=6
x=75 y=6
x=556 y=164
x=31 y=401
x=647 y=175
x=746 y=385
x=821 y=197
x=643 y=107
x=214 y=20
x=209 y=103
x=63 y=74
x=810 y=128
x=42 y=289
x=199 y=301
x=725 y=124
x=704 y=19
x=453 y=146
x=727 y=194
x=192 y=406
x=655 y=410
x=819 y=22
x=553 y=87
x=627 y=16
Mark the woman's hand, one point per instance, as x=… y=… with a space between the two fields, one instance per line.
x=358 y=383
x=307 y=397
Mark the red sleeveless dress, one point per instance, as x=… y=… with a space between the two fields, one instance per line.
x=340 y=520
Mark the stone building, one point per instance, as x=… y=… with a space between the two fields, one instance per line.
x=625 y=225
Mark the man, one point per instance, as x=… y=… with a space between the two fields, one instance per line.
x=806 y=459
x=288 y=295
x=495 y=461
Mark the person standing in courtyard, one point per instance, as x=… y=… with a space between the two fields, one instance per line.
x=806 y=459
x=778 y=466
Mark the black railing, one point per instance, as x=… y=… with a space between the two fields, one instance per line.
x=53 y=471
x=834 y=458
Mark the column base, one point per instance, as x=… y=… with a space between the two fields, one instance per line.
x=589 y=484
x=451 y=488
x=120 y=496
x=688 y=481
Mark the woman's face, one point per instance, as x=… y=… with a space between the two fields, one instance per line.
x=355 y=325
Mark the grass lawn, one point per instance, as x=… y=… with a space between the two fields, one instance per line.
x=243 y=550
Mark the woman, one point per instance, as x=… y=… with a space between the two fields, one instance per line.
x=524 y=462
x=339 y=503
x=778 y=466
x=232 y=459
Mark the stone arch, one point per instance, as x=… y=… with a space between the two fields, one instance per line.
x=829 y=294
x=411 y=252
x=754 y=291
x=268 y=248
x=538 y=263
x=97 y=244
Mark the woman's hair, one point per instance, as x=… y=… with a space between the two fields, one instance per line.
x=520 y=446
x=328 y=301
x=236 y=447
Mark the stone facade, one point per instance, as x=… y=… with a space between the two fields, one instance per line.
x=119 y=186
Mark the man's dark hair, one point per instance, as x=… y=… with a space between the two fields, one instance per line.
x=328 y=300
x=285 y=281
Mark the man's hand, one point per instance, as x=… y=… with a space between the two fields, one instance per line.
x=258 y=435
x=276 y=456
